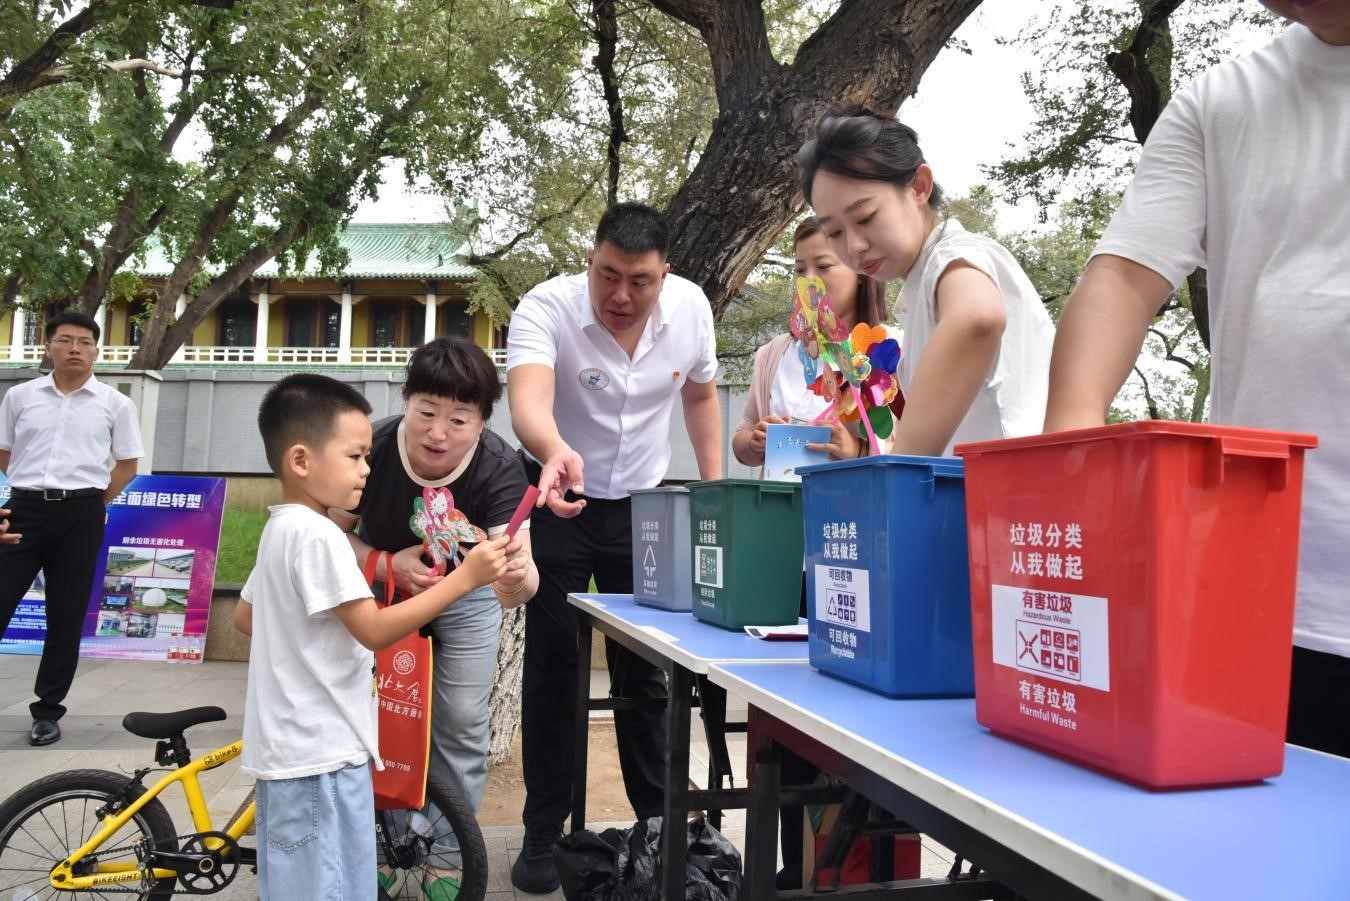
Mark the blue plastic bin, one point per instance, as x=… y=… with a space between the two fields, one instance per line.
x=662 y=571
x=888 y=579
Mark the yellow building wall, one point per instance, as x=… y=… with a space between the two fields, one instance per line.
x=115 y=324
x=6 y=328
x=205 y=333
x=361 y=324
x=482 y=330
x=276 y=324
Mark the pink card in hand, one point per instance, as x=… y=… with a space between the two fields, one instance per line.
x=522 y=511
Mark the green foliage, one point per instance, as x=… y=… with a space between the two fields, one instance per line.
x=1080 y=141
x=285 y=106
x=1083 y=145
x=1172 y=380
x=975 y=211
x=758 y=312
x=239 y=534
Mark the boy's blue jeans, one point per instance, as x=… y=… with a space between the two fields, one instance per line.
x=316 y=837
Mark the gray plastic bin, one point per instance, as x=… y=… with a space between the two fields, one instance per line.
x=662 y=567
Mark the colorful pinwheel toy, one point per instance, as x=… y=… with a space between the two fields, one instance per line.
x=861 y=381
x=441 y=527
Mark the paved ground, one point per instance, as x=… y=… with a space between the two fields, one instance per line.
x=106 y=690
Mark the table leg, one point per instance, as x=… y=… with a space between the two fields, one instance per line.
x=582 y=722
x=761 y=821
x=674 y=830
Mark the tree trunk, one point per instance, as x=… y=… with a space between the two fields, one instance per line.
x=1198 y=283
x=743 y=193
x=504 y=704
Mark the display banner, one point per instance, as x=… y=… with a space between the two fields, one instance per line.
x=151 y=596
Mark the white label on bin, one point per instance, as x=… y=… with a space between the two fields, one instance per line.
x=1061 y=636
x=708 y=566
x=843 y=597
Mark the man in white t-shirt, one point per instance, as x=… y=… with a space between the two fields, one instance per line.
x=1247 y=172
x=594 y=364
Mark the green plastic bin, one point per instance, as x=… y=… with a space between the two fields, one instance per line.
x=747 y=541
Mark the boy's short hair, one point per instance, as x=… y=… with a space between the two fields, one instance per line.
x=70 y=317
x=303 y=409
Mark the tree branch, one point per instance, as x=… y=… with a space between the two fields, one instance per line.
x=19 y=80
x=160 y=342
x=480 y=260
x=738 y=44
x=59 y=74
x=1153 y=412
x=607 y=39
x=1131 y=66
x=1170 y=346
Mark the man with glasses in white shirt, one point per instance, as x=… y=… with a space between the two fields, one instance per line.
x=68 y=445
x=594 y=364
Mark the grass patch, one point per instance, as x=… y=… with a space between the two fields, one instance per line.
x=239 y=533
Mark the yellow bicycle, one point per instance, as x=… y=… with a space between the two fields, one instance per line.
x=108 y=834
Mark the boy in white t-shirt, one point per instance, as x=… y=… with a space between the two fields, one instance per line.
x=310 y=714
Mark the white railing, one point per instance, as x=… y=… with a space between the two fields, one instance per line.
x=199 y=355
x=26 y=353
x=210 y=354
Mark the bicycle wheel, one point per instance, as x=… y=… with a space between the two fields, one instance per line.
x=414 y=860
x=44 y=821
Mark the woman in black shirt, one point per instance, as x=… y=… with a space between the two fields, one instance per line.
x=442 y=441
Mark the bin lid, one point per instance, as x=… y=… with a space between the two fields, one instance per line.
x=1142 y=429
x=663 y=489
x=761 y=484
x=941 y=466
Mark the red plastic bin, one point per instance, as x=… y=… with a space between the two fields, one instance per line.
x=1132 y=596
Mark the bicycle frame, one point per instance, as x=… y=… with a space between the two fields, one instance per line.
x=63 y=875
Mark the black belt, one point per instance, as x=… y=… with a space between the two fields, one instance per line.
x=54 y=494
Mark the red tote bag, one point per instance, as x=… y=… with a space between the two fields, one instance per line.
x=403 y=680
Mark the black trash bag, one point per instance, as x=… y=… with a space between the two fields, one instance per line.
x=625 y=864
x=615 y=865
x=712 y=870
x=587 y=863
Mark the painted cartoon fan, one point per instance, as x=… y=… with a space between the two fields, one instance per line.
x=860 y=381
x=441 y=527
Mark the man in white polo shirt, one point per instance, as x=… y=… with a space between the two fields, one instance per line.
x=594 y=363
x=58 y=435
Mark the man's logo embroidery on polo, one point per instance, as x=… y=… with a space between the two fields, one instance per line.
x=594 y=379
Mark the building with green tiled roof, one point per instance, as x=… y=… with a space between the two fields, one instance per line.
x=403 y=284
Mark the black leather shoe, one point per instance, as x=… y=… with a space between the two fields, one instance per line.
x=45 y=732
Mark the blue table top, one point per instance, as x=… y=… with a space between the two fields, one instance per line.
x=689 y=642
x=1278 y=839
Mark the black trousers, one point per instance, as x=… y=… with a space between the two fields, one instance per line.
x=1319 y=702
x=63 y=539
x=568 y=552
